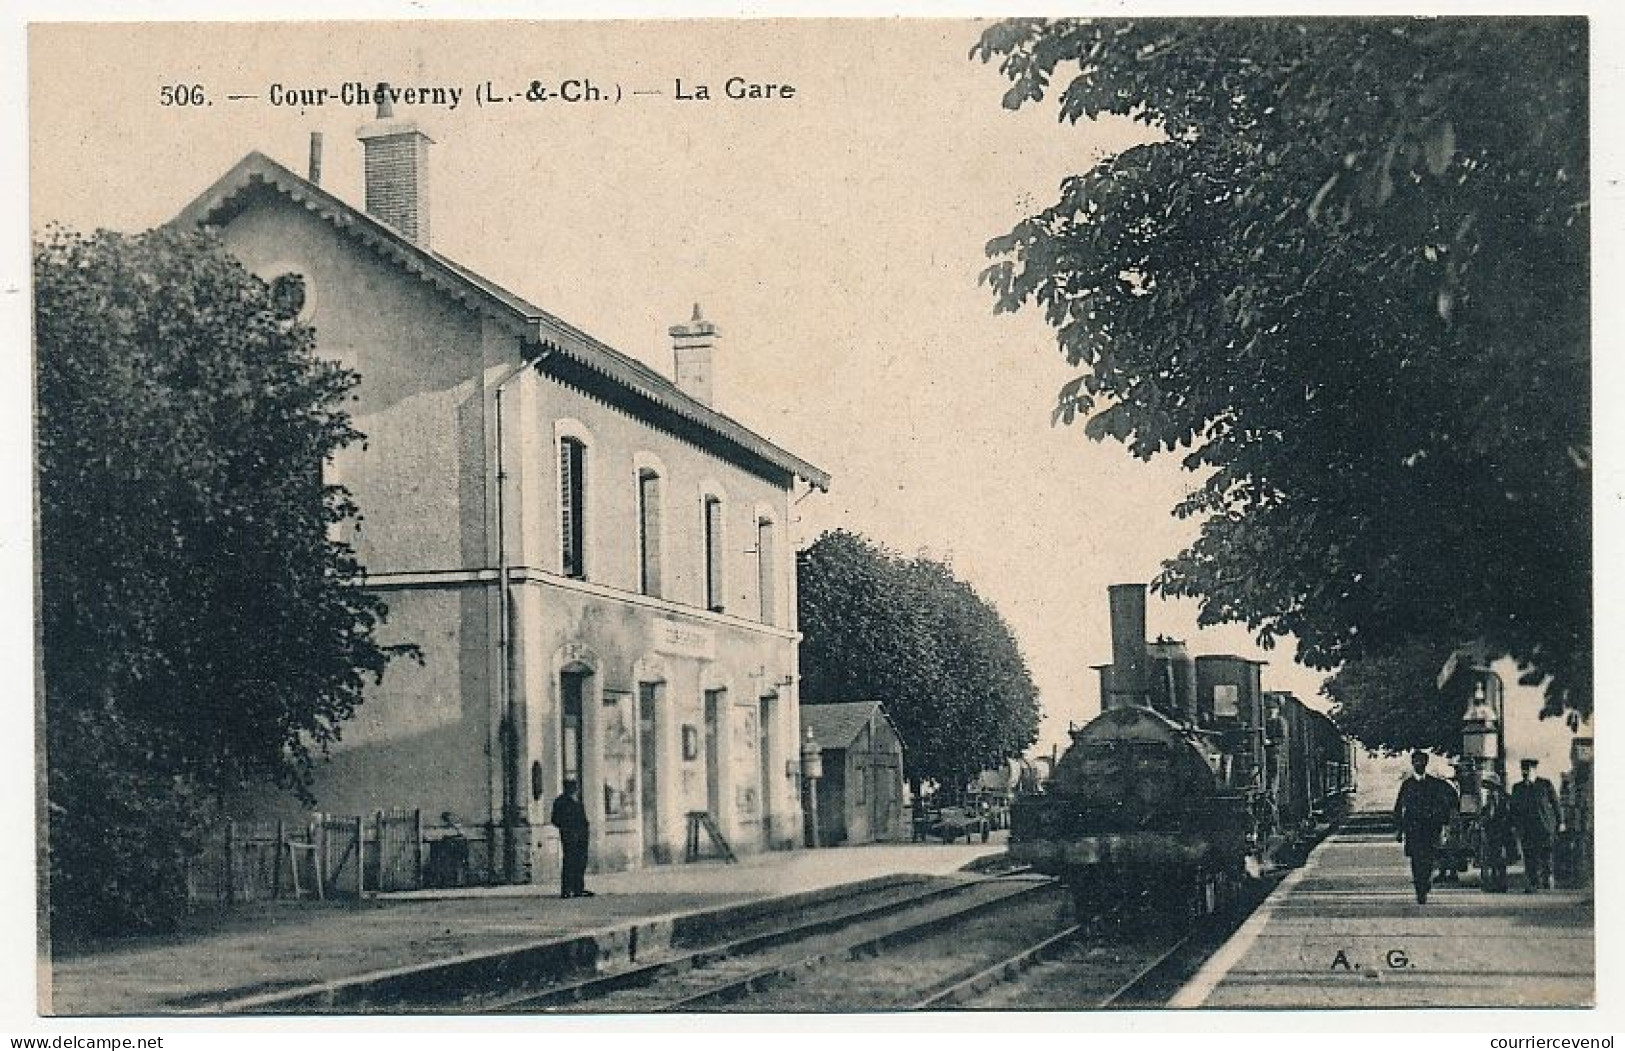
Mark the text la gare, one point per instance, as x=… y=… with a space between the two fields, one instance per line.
x=737 y=88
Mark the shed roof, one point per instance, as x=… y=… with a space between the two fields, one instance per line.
x=838 y=725
x=235 y=191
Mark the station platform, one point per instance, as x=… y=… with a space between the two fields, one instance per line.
x=279 y=955
x=1345 y=932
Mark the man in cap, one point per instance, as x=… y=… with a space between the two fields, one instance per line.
x=1535 y=815
x=1425 y=806
x=570 y=817
x=1495 y=822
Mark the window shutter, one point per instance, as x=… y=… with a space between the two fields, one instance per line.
x=567 y=556
x=572 y=457
x=713 y=554
x=649 y=531
x=766 y=567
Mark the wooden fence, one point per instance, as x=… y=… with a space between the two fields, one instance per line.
x=329 y=856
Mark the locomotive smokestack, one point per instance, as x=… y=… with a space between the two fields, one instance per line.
x=1128 y=646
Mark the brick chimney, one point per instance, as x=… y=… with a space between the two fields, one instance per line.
x=691 y=345
x=397 y=171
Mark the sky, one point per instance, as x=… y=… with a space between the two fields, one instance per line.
x=834 y=238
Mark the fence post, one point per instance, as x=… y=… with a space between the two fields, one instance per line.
x=378 y=835
x=276 y=861
x=231 y=883
x=321 y=849
x=417 y=848
x=360 y=858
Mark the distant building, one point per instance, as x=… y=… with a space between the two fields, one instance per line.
x=596 y=563
x=860 y=799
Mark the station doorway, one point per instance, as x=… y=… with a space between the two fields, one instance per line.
x=648 y=762
x=713 y=757
x=764 y=756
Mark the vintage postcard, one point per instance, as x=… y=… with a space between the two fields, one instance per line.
x=814 y=515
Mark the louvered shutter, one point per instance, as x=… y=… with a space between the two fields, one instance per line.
x=572 y=456
x=765 y=570
x=649 y=531
x=713 y=554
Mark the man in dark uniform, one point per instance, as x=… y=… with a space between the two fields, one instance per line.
x=571 y=819
x=1535 y=816
x=1425 y=805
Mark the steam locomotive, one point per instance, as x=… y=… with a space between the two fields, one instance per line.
x=1186 y=783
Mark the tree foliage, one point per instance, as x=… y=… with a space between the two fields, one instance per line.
x=1391 y=701
x=1348 y=284
x=200 y=631
x=906 y=632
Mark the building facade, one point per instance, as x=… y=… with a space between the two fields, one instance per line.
x=596 y=564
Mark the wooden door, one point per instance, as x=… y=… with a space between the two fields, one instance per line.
x=764 y=794
x=648 y=785
x=713 y=766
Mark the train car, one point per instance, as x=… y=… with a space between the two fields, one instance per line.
x=1333 y=755
x=1310 y=764
x=1179 y=789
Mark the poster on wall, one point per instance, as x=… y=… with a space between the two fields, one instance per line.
x=746 y=768
x=620 y=759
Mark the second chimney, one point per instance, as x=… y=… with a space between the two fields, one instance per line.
x=397 y=171
x=315 y=170
x=692 y=345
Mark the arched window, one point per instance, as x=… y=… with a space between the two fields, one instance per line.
x=649 y=532
x=573 y=507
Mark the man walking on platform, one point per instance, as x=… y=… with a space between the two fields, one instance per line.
x=1535 y=816
x=571 y=819
x=1425 y=805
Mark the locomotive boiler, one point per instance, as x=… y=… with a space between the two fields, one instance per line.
x=1175 y=793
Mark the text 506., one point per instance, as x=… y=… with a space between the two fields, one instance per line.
x=182 y=95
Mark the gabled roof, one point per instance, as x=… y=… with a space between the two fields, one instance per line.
x=547 y=334
x=837 y=725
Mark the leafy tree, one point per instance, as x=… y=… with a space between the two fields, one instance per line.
x=1392 y=702
x=200 y=631
x=906 y=632
x=1348 y=282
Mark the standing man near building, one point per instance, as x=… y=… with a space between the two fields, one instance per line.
x=571 y=819
x=1425 y=805
x=1535 y=816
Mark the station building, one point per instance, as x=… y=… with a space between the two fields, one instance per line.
x=594 y=561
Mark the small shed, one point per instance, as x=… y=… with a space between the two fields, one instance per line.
x=860 y=799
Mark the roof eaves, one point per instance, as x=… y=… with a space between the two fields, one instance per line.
x=646 y=383
x=465 y=285
x=454 y=280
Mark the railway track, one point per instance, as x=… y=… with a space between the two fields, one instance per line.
x=1079 y=969
x=1114 y=961
x=985 y=944
x=724 y=976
